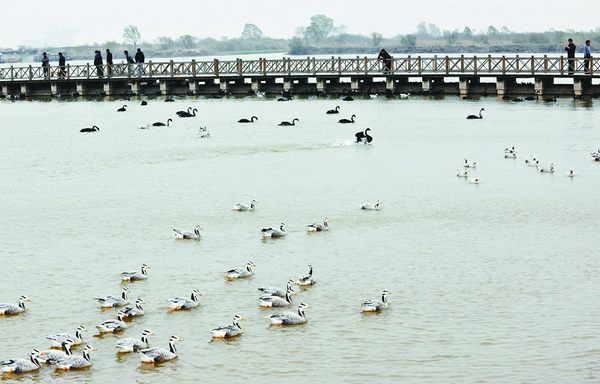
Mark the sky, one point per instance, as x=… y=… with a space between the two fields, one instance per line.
x=70 y=22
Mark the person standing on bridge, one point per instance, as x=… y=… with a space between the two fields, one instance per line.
x=587 y=55
x=61 y=65
x=387 y=60
x=139 y=59
x=570 y=48
x=109 y=62
x=99 y=65
x=46 y=65
x=129 y=60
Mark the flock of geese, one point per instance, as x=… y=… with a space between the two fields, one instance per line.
x=60 y=354
x=361 y=137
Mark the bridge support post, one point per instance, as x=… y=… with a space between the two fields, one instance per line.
x=287 y=85
x=108 y=88
x=541 y=84
x=354 y=84
x=24 y=89
x=164 y=87
x=581 y=86
x=503 y=86
x=255 y=85
x=223 y=85
x=4 y=90
x=54 y=88
x=321 y=85
x=463 y=86
x=426 y=84
x=389 y=84
x=81 y=88
x=194 y=87
x=136 y=87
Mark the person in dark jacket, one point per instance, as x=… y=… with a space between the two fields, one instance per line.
x=139 y=59
x=46 y=65
x=99 y=65
x=61 y=65
x=109 y=62
x=570 y=48
x=387 y=60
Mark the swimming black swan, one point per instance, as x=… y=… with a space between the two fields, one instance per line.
x=187 y=114
x=285 y=96
x=144 y=102
x=93 y=129
x=170 y=99
x=348 y=98
x=179 y=113
x=471 y=117
x=346 y=121
x=334 y=111
x=122 y=109
x=287 y=123
x=161 y=124
x=362 y=137
x=248 y=121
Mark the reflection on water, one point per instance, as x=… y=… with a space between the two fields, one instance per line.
x=500 y=277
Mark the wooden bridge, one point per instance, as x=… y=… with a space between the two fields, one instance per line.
x=499 y=75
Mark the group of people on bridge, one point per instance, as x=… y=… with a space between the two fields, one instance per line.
x=98 y=62
x=570 y=48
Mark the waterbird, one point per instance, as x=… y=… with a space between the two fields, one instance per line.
x=287 y=123
x=77 y=362
x=466 y=164
x=122 y=109
x=363 y=137
x=376 y=305
x=275 y=301
x=248 y=121
x=188 y=114
x=240 y=273
x=371 y=206
x=243 y=207
x=532 y=161
x=52 y=356
x=346 y=121
x=131 y=344
x=14 y=309
x=112 y=325
x=18 y=365
x=289 y=318
x=348 y=98
x=306 y=280
x=571 y=173
x=510 y=150
x=273 y=233
x=316 y=227
x=333 y=111
x=274 y=291
x=56 y=340
x=111 y=301
x=179 y=303
x=161 y=124
x=186 y=235
x=134 y=276
x=512 y=155
x=464 y=173
x=228 y=331
x=169 y=99
x=474 y=180
x=550 y=169
x=144 y=102
x=158 y=355
x=92 y=129
x=471 y=117
x=179 y=113
x=404 y=95
x=134 y=311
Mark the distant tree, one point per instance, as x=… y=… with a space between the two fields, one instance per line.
x=451 y=36
x=467 y=32
x=376 y=39
x=428 y=30
x=297 y=46
x=187 y=41
x=251 y=32
x=164 y=42
x=320 y=27
x=132 y=35
x=505 y=30
x=492 y=30
x=409 y=40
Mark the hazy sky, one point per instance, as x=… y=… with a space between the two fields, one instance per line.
x=64 y=22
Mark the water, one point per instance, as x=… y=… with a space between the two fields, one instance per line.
x=496 y=282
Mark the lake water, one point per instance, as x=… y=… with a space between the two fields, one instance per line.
x=495 y=282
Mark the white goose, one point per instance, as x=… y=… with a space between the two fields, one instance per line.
x=130 y=344
x=112 y=325
x=134 y=276
x=240 y=273
x=474 y=180
x=77 y=362
x=111 y=301
x=571 y=173
x=243 y=207
x=512 y=155
x=532 y=161
x=464 y=173
x=550 y=169
x=59 y=338
x=466 y=164
x=275 y=301
x=316 y=227
x=307 y=280
x=14 y=309
x=52 y=356
x=273 y=233
x=185 y=235
x=274 y=291
x=228 y=331
x=289 y=318
x=158 y=355
x=179 y=303
x=371 y=206
x=376 y=305
x=134 y=311
x=19 y=365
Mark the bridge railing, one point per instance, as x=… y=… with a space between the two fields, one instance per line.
x=334 y=66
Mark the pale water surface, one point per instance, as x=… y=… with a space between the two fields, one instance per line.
x=496 y=282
